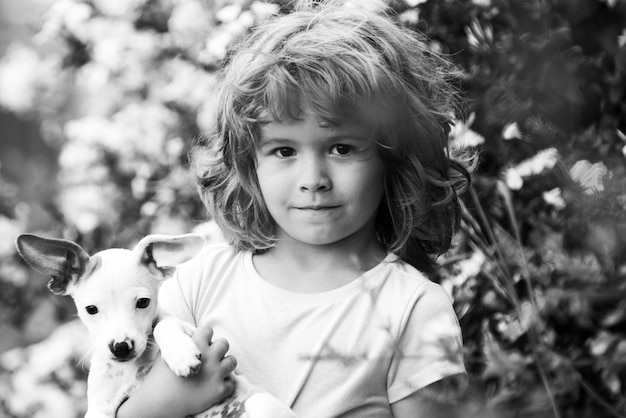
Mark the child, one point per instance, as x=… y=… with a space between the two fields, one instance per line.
x=329 y=174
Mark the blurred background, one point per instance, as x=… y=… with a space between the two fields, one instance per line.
x=101 y=100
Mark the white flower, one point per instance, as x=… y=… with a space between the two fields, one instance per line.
x=139 y=187
x=64 y=15
x=610 y=3
x=621 y=39
x=87 y=206
x=513 y=179
x=174 y=148
x=511 y=131
x=589 y=176
x=621 y=134
x=371 y=5
x=463 y=137
x=410 y=17
x=206 y=114
x=139 y=184
x=217 y=45
x=116 y=44
x=554 y=198
x=30 y=82
x=119 y=8
x=189 y=23
x=78 y=153
x=544 y=159
x=149 y=208
x=219 y=40
x=512 y=327
x=185 y=84
x=19 y=76
x=146 y=126
x=467 y=269
x=38 y=387
x=109 y=40
x=600 y=344
x=413 y=3
x=97 y=95
x=479 y=37
x=262 y=10
x=228 y=13
x=98 y=131
x=9 y=230
x=12 y=272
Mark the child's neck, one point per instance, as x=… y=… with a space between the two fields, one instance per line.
x=315 y=269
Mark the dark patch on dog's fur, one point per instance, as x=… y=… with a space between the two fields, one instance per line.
x=232 y=409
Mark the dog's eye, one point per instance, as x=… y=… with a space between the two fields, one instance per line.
x=143 y=303
x=91 y=309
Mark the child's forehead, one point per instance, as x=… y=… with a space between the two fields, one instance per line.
x=313 y=120
x=329 y=116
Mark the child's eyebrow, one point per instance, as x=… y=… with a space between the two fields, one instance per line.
x=351 y=134
x=273 y=141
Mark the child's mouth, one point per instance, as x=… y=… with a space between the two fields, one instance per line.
x=317 y=208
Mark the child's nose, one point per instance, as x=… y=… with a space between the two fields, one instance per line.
x=314 y=175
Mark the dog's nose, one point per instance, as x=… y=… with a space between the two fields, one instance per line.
x=121 y=350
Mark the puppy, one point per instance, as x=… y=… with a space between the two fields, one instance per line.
x=116 y=294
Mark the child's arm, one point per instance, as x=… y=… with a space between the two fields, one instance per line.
x=163 y=394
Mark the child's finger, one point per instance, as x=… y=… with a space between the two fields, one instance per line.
x=229 y=364
x=228 y=386
x=220 y=347
x=202 y=335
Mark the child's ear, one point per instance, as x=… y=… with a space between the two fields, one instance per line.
x=64 y=261
x=162 y=253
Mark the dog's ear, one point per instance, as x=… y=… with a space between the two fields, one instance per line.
x=162 y=253
x=64 y=261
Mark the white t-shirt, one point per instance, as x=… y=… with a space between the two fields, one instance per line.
x=351 y=351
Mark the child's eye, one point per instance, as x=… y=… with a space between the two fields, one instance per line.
x=284 y=152
x=91 y=309
x=342 y=149
x=143 y=303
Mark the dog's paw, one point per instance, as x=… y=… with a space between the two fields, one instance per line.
x=182 y=356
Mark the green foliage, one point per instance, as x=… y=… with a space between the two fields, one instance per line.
x=544 y=315
x=537 y=272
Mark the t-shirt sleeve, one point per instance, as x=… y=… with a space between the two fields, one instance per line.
x=173 y=300
x=430 y=346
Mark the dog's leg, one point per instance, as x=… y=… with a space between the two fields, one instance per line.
x=109 y=383
x=178 y=349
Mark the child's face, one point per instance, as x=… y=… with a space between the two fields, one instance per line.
x=321 y=183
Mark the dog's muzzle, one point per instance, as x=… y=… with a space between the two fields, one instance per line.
x=122 y=351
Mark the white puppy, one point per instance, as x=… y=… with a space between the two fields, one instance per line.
x=116 y=294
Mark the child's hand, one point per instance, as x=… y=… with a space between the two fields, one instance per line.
x=216 y=369
x=163 y=394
